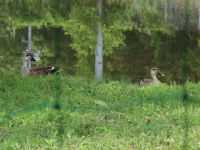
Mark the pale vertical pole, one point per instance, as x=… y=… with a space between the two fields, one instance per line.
x=29 y=38
x=13 y=33
x=29 y=42
x=99 y=49
x=165 y=9
x=155 y=3
x=199 y=17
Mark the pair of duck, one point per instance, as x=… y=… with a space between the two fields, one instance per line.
x=30 y=57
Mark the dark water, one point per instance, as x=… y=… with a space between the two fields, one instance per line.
x=132 y=61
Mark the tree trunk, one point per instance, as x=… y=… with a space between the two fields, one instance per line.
x=99 y=50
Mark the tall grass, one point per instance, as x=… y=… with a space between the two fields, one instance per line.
x=68 y=112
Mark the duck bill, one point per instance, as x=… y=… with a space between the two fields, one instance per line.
x=161 y=74
x=36 y=58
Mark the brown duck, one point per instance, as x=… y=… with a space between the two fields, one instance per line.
x=154 y=80
x=26 y=69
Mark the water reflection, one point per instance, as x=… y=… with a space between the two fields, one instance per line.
x=131 y=61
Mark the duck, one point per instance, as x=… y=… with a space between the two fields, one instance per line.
x=27 y=70
x=154 y=80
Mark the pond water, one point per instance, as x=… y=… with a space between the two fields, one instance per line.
x=130 y=61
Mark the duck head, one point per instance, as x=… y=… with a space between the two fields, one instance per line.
x=156 y=71
x=32 y=56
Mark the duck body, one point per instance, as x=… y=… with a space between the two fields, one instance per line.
x=44 y=70
x=149 y=81
x=38 y=71
x=154 y=80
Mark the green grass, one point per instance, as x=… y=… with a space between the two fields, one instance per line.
x=55 y=112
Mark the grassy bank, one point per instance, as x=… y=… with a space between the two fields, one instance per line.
x=75 y=113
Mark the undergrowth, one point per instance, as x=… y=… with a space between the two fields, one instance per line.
x=65 y=112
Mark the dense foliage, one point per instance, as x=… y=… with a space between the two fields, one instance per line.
x=137 y=35
x=78 y=19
